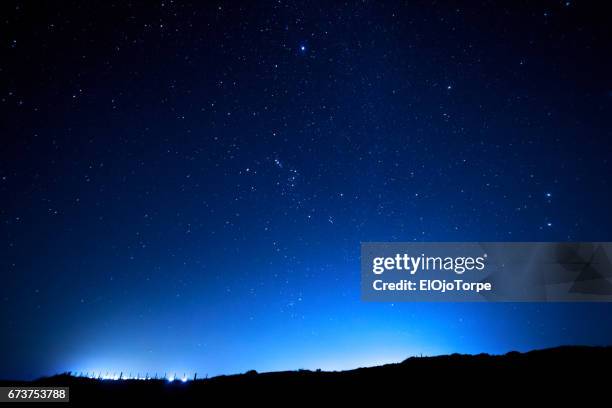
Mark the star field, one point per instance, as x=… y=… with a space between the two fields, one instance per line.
x=185 y=186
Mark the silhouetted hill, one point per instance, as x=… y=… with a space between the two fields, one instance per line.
x=563 y=373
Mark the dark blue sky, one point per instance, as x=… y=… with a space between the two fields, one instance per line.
x=185 y=187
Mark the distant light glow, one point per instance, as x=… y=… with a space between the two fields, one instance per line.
x=138 y=377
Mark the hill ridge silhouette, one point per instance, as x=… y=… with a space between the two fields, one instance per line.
x=564 y=368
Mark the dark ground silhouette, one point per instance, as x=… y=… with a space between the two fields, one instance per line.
x=570 y=373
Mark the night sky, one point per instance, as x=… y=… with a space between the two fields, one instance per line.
x=184 y=187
